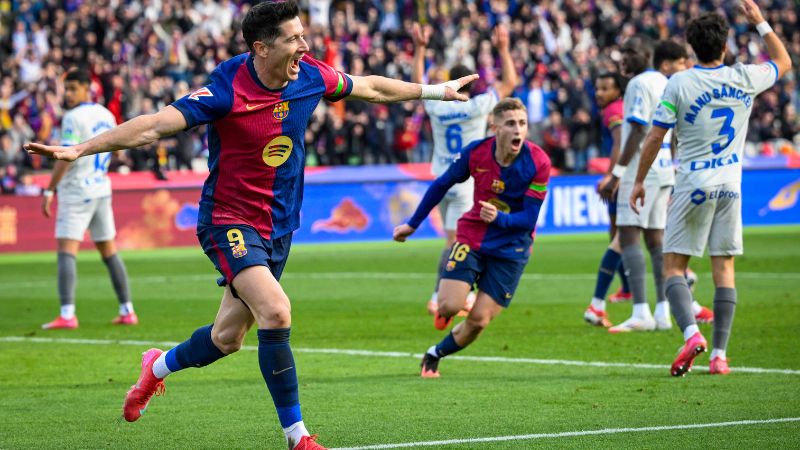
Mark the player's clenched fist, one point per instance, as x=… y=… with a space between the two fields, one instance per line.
x=488 y=212
x=403 y=231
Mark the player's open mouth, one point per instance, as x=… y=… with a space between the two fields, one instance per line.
x=295 y=66
x=516 y=142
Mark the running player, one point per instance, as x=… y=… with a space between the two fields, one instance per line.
x=709 y=107
x=454 y=126
x=84 y=202
x=493 y=240
x=609 y=89
x=257 y=106
x=641 y=98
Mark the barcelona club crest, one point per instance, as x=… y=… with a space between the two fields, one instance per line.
x=281 y=110
x=238 y=250
x=498 y=186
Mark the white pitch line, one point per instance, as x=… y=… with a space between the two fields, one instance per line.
x=378 y=276
x=370 y=353
x=573 y=434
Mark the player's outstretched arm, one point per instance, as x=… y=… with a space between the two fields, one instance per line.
x=510 y=78
x=650 y=149
x=377 y=89
x=141 y=130
x=775 y=48
x=420 y=36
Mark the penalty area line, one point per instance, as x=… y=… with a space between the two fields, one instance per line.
x=384 y=354
x=567 y=434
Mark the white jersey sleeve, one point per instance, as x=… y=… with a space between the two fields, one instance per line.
x=642 y=104
x=758 y=77
x=86 y=177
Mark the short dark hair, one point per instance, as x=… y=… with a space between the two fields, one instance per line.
x=667 y=51
x=619 y=81
x=640 y=43
x=262 y=21
x=508 y=104
x=707 y=35
x=79 y=74
x=458 y=71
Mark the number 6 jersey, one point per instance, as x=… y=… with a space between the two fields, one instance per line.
x=709 y=109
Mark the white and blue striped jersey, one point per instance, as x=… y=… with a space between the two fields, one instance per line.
x=639 y=105
x=86 y=178
x=709 y=108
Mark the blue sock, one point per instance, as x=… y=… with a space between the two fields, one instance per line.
x=605 y=275
x=448 y=346
x=197 y=351
x=624 y=278
x=278 y=368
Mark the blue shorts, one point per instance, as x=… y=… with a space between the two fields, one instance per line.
x=498 y=277
x=233 y=248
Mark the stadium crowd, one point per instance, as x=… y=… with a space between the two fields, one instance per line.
x=143 y=54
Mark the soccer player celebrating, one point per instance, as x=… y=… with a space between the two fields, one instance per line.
x=709 y=107
x=454 y=126
x=84 y=202
x=257 y=106
x=493 y=240
x=608 y=92
x=641 y=98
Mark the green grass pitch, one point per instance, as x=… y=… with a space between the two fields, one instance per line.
x=66 y=390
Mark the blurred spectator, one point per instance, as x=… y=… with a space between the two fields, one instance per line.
x=145 y=53
x=26 y=187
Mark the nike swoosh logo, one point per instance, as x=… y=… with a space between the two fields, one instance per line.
x=282 y=370
x=250 y=107
x=478 y=169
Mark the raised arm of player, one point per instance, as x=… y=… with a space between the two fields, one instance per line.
x=420 y=36
x=775 y=48
x=141 y=130
x=377 y=89
x=510 y=78
x=650 y=149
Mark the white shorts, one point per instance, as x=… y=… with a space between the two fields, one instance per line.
x=709 y=216
x=652 y=216
x=456 y=203
x=73 y=219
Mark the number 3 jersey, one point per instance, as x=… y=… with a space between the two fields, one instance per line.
x=709 y=109
x=256 y=142
x=86 y=177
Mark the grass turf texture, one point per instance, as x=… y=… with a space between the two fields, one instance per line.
x=68 y=395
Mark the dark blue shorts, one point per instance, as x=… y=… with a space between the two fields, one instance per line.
x=498 y=277
x=233 y=248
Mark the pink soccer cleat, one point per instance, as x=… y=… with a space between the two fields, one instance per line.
x=308 y=443
x=704 y=316
x=429 y=367
x=718 y=366
x=596 y=317
x=693 y=347
x=620 y=296
x=126 y=319
x=61 y=323
x=139 y=395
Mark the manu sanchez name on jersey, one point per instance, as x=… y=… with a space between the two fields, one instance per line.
x=710 y=109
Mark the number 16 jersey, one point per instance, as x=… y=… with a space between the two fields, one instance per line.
x=709 y=109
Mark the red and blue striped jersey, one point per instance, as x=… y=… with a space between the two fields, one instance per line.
x=256 y=142
x=517 y=191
